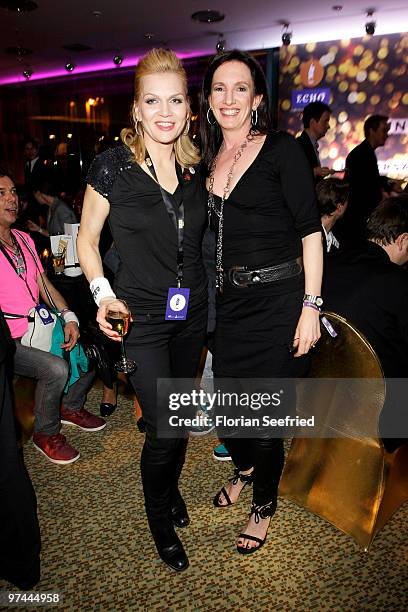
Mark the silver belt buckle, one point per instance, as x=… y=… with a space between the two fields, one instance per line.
x=231 y=276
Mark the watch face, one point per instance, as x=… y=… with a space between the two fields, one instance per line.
x=319 y=301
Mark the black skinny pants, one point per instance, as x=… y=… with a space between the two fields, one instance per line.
x=264 y=451
x=163 y=349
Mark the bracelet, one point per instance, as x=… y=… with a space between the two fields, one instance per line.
x=100 y=289
x=70 y=316
x=311 y=305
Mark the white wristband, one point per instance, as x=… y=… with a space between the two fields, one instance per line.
x=69 y=316
x=100 y=289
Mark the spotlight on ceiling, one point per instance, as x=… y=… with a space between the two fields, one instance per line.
x=117 y=59
x=208 y=16
x=286 y=35
x=69 y=66
x=27 y=73
x=370 y=24
x=221 y=42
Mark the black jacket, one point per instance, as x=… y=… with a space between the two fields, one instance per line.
x=370 y=291
x=365 y=191
x=309 y=150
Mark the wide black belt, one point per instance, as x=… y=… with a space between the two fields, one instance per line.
x=240 y=276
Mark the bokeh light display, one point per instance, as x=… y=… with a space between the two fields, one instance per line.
x=365 y=76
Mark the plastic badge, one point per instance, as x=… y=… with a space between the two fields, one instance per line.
x=177 y=304
x=329 y=327
x=44 y=314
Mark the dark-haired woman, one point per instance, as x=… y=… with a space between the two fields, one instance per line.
x=269 y=262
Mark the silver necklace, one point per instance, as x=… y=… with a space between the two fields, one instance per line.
x=219 y=270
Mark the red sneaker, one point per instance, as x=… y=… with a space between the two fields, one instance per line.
x=82 y=419
x=55 y=448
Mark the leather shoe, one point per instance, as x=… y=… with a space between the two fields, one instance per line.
x=170 y=548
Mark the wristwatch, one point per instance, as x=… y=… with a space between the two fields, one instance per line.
x=313 y=299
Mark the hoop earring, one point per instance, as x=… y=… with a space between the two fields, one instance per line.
x=208 y=116
x=137 y=128
x=187 y=127
x=254 y=117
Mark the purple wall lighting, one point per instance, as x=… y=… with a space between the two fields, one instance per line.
x=128 y=62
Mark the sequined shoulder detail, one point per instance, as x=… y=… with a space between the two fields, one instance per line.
x=106 y=167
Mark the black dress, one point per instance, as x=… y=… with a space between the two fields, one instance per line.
x=269 y=211
x=146 y=240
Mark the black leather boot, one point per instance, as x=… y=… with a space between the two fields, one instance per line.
x=169 y=546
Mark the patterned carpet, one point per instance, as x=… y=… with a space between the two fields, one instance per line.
x=97 y=553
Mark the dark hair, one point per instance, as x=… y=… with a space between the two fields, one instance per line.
x=373 y=123
x=314 y=110
x=5 y=172
x=32 y=141
x=47 y=187
x=211 y=136
x=389 y=220
x=330 y=193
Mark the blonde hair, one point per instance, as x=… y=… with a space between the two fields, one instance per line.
x=159 y=61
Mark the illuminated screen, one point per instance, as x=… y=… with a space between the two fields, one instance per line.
x=357 y=77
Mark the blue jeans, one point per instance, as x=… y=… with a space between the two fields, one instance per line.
x=51 y=372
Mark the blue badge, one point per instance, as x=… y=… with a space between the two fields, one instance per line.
x=44 y=314
x=177 y=304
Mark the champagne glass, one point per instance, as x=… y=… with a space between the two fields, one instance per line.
x=58 y=261
x=120 y=324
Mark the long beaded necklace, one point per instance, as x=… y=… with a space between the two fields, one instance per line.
x=16 y=254
x=219 y=278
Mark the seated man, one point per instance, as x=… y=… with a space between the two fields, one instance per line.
x=332 y=199
x=59 y=212
x=23 y=282
x=369 y=287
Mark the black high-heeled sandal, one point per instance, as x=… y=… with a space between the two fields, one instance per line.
x=107 y=408
x=247 y=479
x=260 y=512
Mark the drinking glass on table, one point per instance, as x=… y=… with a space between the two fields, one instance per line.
x=120 y=324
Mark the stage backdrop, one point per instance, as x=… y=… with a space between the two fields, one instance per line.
x=357 y=77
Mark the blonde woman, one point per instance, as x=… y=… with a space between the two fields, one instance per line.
x=150 y=191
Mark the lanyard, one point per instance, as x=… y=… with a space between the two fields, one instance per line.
x=176 y=214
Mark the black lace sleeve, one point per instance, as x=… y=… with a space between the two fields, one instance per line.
x=106 y=167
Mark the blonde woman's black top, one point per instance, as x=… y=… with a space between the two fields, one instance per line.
x=144 y=234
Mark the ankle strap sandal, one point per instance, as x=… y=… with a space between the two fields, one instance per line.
x=259 y=512
x=247 y=479
x=262 y=512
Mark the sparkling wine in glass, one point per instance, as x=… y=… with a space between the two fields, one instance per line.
x=120 y=324
x=58 y=261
